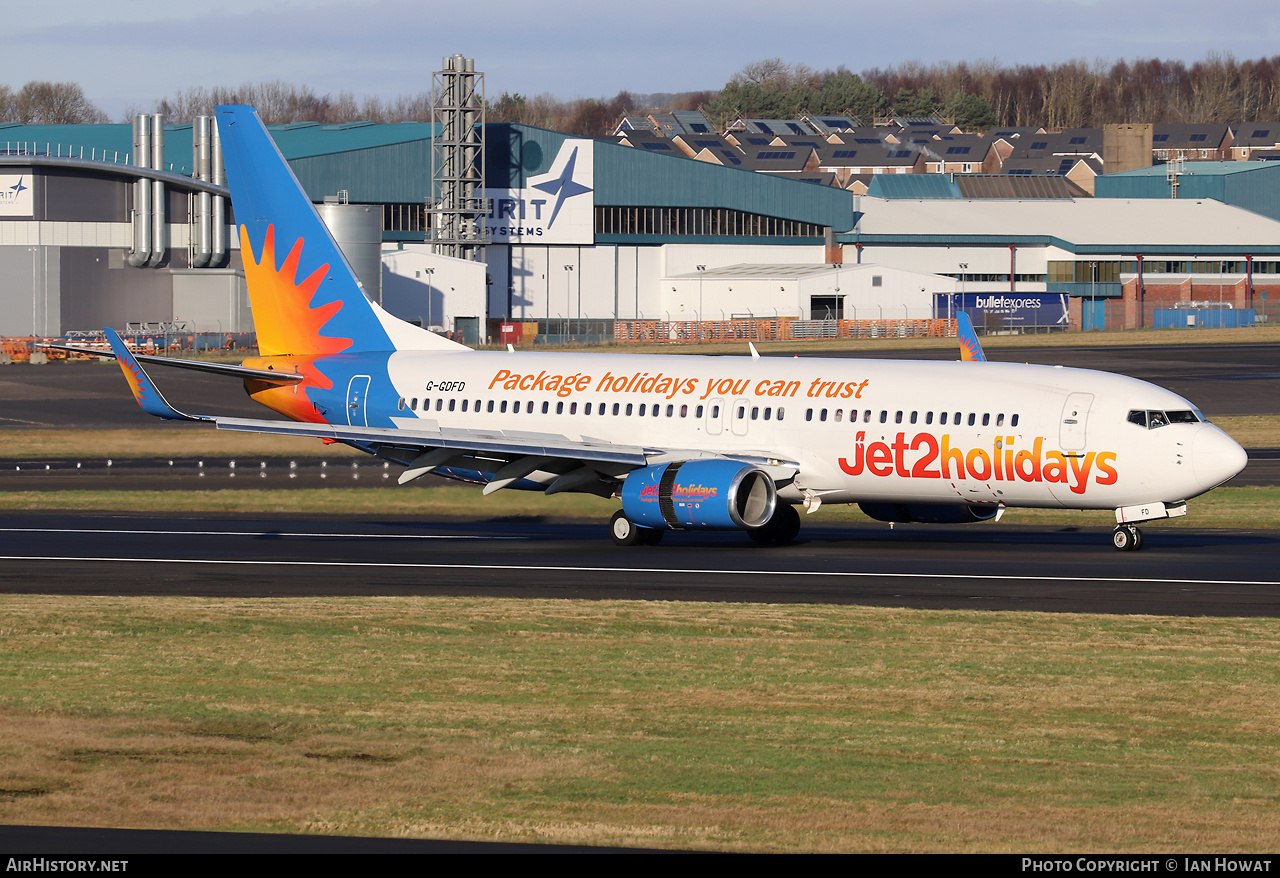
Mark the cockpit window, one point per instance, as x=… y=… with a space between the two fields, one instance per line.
x=1152 y=419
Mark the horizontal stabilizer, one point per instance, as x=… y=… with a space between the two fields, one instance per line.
x=227 y=369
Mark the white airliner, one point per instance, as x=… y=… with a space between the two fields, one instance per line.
x=685 y=442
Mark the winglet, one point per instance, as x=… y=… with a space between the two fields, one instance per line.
x=144 y=389
x=970 y=347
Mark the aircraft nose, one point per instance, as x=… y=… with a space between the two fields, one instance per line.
x=1216 y=457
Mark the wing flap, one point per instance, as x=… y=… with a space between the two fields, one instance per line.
x=462 y=440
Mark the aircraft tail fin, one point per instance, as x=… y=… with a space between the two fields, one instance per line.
x=970 y=347
x=305 y=297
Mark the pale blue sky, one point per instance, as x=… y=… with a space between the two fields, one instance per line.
x=131 y=55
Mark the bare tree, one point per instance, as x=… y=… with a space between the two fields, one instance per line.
x=52 y=103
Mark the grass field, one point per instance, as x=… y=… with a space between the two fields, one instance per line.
x=735 y=727
x=683 y=725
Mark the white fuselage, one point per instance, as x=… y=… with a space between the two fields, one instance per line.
x=860 y=430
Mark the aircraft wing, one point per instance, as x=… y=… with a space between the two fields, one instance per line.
x=462 y=441
x=580 y=463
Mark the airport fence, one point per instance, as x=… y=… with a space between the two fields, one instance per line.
x=22 y=349
x=712 y=331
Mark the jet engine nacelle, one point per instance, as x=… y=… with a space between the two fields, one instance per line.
x=699 y=494
x=928 y=513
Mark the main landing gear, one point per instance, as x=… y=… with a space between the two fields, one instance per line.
x=781 y=528
x=1127 y=538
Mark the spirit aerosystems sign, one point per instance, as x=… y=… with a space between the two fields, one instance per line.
x=15 y=195
x=557 y=207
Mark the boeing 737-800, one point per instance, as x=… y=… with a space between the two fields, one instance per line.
x=684 y=442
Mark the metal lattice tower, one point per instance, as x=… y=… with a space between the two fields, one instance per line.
x=457 y=160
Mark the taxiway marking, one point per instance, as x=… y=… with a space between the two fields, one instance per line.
x=249 y=533
x=850 y=574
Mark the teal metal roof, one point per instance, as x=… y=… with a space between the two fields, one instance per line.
x=1254 y=186
x=913 y=186
x=391 y=163
x=626 y=176
x=1191 y=169
x=305 y=140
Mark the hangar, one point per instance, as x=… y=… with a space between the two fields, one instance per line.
x=581 y=232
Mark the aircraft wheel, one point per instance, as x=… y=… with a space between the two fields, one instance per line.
x=623 y=531
x=651 y=536
x=1126 y=538
x=786 y=523
x=781 y=528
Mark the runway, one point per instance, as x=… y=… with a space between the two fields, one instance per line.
x=985 y=566
x=989 y=567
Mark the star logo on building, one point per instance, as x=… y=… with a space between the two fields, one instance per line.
x=563 y=187
x=17 y=189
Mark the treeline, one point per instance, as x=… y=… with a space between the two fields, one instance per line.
x=1071 y=94
x=286 y=102
x=976 y=96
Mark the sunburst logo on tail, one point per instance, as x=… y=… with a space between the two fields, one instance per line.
x=288 y=326
x=282 y=313
x=133 y=374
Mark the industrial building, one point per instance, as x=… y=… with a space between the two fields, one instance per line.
x=118 y=224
